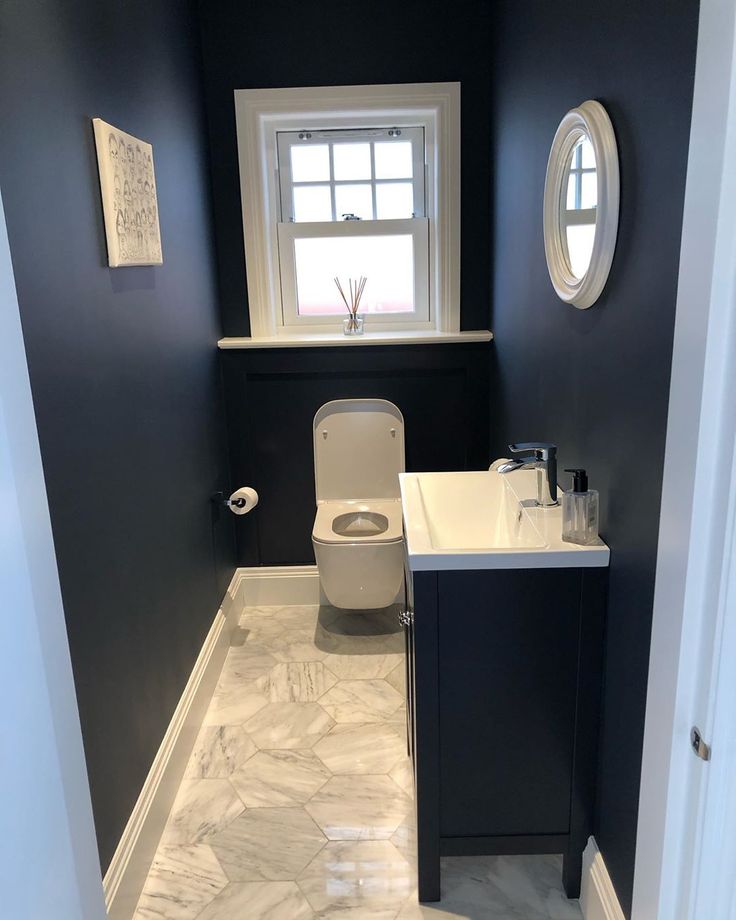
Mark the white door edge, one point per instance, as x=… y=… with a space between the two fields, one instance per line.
x=46 y=808
x=688 y=616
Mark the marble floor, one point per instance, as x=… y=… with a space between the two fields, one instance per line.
x=297 y=799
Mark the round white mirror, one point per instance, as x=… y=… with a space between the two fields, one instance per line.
x=581 y=195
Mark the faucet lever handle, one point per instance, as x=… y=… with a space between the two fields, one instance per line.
x=541 y=449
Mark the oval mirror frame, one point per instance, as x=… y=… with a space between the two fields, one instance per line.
x=589 y=119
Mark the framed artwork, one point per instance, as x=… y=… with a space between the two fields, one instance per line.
x=129 y=200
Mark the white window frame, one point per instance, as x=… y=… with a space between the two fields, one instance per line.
x=261 y=114
x=414 y=224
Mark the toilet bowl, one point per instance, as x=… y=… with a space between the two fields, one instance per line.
x=358 y=532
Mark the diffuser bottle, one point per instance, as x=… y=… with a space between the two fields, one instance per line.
x=580 y=511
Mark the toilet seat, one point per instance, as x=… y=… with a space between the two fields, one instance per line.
x=328 y=513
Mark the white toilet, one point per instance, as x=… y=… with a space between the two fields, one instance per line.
x=358 y=534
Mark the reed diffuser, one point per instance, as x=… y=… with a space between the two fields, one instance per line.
x=353 y=325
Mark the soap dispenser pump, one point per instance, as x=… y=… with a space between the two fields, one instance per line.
x=580 y=511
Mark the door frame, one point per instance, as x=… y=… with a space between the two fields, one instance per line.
x=693 y=627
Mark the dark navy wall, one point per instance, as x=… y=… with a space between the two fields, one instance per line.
x=123 y=364
x=596 y=381
x=341 y=42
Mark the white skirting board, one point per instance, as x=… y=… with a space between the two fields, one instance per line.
x=598 y=899
x=281 y=585
x=129 y=867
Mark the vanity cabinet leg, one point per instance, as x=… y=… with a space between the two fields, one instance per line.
x=593 y=593
x=428 y=879
x=425 y=710
x=572 y=872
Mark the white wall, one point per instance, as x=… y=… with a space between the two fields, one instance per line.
x=49 y=868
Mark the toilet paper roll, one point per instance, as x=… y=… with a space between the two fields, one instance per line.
x=243 y=500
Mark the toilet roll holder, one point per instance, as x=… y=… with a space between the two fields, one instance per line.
x=219 y=499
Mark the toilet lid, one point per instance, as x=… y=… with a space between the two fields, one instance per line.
x=358 y=450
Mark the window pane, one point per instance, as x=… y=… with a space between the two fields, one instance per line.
x=580 y=239
x=393 y=160
x=571 y=183
x=352 y=161
x=394 y=200
x=354 y=199
x=312 y=202
x=386 y=261
x=588 y=154
x=310 y=163
x=589 y=193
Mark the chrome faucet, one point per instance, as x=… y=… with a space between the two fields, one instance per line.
x=541 y=457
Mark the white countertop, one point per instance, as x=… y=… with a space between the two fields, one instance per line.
x=486 y=520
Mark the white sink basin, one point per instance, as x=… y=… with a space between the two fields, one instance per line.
x=474 y=511
x=485 y=520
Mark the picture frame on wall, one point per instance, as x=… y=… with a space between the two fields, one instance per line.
x=129 y=199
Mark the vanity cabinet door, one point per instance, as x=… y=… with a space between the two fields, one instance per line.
x=508 y=649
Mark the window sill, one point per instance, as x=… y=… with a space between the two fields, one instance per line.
x=321 y=339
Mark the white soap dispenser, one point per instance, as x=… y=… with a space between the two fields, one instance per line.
x=580 y=511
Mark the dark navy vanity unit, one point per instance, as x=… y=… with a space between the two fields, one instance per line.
x=503 y=696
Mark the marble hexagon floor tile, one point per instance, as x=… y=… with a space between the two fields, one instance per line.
x=181 y=881
x=261 y=630
x=265 y=610
x=397 y=679
x=245 y=664
x=523 y=887
x=297 y=644
x=234 y=704
x=397 y=722
x=372 y=748
x=202 y=808
x=288 y=725
x=440 y=910
x=259 y=901
x=243 y=667
x=357 y=645
x=296 y=682
x=402 y=774
x=361 y=701
x=368 y=808
x=404 y=839
x=367 y=624
x=299 y=617
x=356 y=913
x=218 y=751
x=367 y=874
x=272 y=844
x=498 y=888
x=280 y=778
x=364 y=666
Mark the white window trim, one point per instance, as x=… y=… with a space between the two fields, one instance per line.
x=261 y=113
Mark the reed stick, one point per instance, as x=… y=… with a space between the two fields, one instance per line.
x=342 y=294
x=355 y=288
